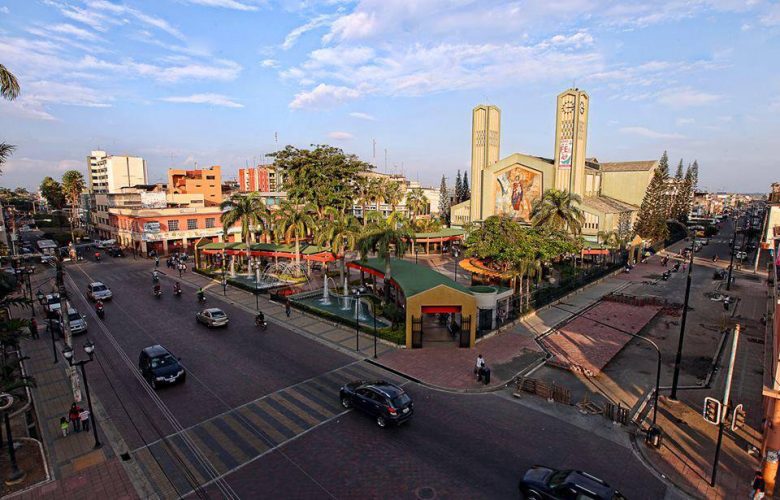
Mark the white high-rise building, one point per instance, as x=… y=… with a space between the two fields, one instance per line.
x=109 y=173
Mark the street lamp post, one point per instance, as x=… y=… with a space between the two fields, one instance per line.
x=731 y=261
x=16 y=475
x=356 y=293
x=30 y=271
x=89 y=348
x=678 y=357
x=41 y=299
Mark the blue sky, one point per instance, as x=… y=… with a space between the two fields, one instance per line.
x=215 y=81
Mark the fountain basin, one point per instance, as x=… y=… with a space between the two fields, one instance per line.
x=313 y=302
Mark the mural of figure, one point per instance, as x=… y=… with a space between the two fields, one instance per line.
x=517 y=193
x=515 y=190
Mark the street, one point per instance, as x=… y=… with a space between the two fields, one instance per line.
x=259 y=412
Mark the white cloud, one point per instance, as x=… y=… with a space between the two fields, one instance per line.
x=685 y=97
x=362 y=116
x=293 y=36
x=353 y=26
x=576 y=40
x=651 y=134
x=340 y=136
x=69 y=29
x=213 y=99
x=4 y=10
x=227 y=4
x=339 y=57
x=323 y=96
x=269 y=63
x=156 y=22
x=684 y=121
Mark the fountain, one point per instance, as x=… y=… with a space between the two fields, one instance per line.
x=274 y=276
x=359 y=311
x=325 y=292
x=345 y=306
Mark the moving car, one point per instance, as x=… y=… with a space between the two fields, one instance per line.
x=385 y=402
x=545 y=482
x=115 y=252
x=212 y=317
x=159 y=366
x=76 y=321
x=98 y=291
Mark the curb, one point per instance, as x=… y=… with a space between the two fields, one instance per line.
x=638 y=451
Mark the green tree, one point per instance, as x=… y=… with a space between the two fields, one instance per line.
x=72 y=186
x=651 y=223
x=294 y=223
x=695 y=174
x=392 y=193
x=466 y=190
x=444 y=202
x=679 y=174
x=663 y=164
x=557 y=210
x=367 y=191
x=322 y=176
x=248 y=210
x=9 y=89
x=458 y=188
x=51 y=190
x=340 y=232
x=416 y=202
x=387 y=241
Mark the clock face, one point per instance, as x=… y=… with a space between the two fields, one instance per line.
x=568 y=107
x=582 y=108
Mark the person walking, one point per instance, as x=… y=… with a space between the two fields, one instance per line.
x=479 y=366
x=287 y=308
x=759 y=485
x=34 y=328
x=64 y=425
x=73 y=416
x=84 y=417
x=156 y=261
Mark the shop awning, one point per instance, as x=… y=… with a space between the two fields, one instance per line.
x=440 y=309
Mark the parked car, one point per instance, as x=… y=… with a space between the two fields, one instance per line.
x=159 y=366
x=51 y=303
x=212 y=317
x=115 y=252
x=545 y=482
x=385 y=402
x=98 y=291
x=740 y=256
x=76 y=321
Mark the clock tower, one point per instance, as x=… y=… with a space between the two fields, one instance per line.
x=571 y=136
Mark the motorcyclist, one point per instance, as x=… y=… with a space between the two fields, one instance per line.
x=99 y=305
x=97 y=255
x=201 y=294
x=715 y=258
x=155 y=276
x=260 y=318
x=177 y=288
x=157 y=290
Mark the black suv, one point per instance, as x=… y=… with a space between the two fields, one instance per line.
x=160 y=367
x=544 y=482
x=115 y=252
x=386 y=402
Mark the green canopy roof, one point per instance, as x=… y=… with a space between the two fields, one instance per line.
x=266 y=247
x=412 y=278
x=443 y=233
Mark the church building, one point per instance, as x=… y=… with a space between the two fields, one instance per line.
x=611 y=193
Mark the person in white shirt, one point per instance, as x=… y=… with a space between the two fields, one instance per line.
x=479 y=366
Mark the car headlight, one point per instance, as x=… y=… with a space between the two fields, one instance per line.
x=159 y=378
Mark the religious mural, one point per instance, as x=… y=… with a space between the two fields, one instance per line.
x=516 y=189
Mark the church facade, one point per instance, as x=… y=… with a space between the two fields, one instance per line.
x=611 y=192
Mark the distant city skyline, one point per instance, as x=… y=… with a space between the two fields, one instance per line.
x=223 y=82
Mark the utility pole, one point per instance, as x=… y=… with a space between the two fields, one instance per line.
x=65 y=328
x=731 y=262
x=678 y=357
x=725 y=404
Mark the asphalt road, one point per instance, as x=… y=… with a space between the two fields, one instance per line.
x=259 y=413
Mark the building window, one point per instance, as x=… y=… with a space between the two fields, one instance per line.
x=210 y=222
x=173 y=225
x=192 y=223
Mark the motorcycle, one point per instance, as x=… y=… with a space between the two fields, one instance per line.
x=177 y=291
x=261 y=323
x=666 y=275
x=97 y=257
x=155 y=279
x=157 y=293
x=101 y=312
x=201 y=297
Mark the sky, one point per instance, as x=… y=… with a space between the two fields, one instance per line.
x=225 y=82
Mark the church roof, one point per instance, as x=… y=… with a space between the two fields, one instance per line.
x=608 y=205
x=629 y=166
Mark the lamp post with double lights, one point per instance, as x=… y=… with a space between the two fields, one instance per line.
x=16 y=476
x=42 y=301
x=89 y=348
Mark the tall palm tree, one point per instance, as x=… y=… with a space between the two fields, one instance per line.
x=340 y=232
x=612 y=240
x=416 y=202
x=557 y=210
x=388 y=242
x=9 y=85
x=294 y=222
x=72 y=186
x=392 y=194
x=249 y=210
x=367 y=189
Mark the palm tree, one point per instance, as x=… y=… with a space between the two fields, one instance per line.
x=72 y=186
x=612 y=240
x=367 y=189
x=294 y=222
x=9 y=89
x=249 y=210
x=392 y=194
x=340 y=232
x=388 y=242
x=416 y=202
x=557 y=210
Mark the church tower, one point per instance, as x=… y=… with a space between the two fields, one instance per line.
x=571 y=137
x=485 y=142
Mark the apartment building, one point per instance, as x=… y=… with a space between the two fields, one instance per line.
x=206 y=182
x=261 y=179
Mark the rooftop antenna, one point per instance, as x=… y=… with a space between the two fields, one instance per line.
x=276 y=139
x=385 y=159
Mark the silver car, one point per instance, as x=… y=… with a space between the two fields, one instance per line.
x=212 y=317
x=98 y=291
x=76 y=322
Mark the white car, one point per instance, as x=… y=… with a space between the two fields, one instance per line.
x=52 y=303
x=212 y=317
x=741 y=255
x=98 y=291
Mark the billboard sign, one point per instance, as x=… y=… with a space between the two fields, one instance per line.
x=151 y=227
x=565 y=153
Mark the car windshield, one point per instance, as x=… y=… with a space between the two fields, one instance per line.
x=401 y=400
x=217 y=314
x=99 y=288
x=54 y=300
x=557 y=478
x=166 y=360
x=74 y=316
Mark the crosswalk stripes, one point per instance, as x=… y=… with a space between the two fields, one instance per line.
x=231 y=439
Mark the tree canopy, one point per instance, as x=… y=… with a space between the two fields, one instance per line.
x=651 y=223
x=52 y=191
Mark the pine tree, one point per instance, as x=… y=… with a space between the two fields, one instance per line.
x=663 y=164
x=444 y=202
x=458 y=188
x=466 y=190
x=695 y=174
x=679 y=174
x=651 y=223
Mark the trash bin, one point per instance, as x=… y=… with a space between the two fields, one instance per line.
x=654 y=437
x=486 y=375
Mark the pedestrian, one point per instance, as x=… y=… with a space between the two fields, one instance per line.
x=84 y=417
x=34 y=328
x=73 y=415
x=759 y=485
x=479 y=366
x=64 y=425
x=156 y=261
x=287 y=308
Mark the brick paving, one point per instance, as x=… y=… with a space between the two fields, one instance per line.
x=106 y=479
x=590 y=341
